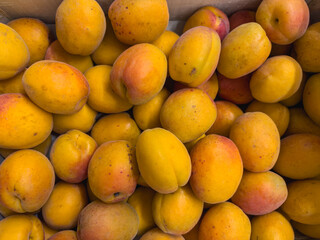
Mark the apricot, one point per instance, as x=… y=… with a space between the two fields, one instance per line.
x=211 y=86
x=35 y=34
x=276 y=111
x=271 y=226
x=56 y=86
x=277 y=79
x=193 y=233
x=80 y=26
x=157 y=234
x=311 y=98
x=42 y=147
x=82 y=120
x=109 y=49
x=301 y=123
x=241 y=17
x=258 y=140
x=139 y=73
x=64 y=205
x=166 y=41
x=141 y=201
x=194 y=67
x=178 y=212
x=235 y=90
x=243 y=50
x=188 y=113
x=297 y=96
x=190 y=145
x=91 y=196
x=307 y=229
x=118 y=126
x=283 y=22
x=163 y=161
x=260 y=193
x=113 y=171
x=216 y=169
x=147 y=115
x=22 y=123
x=299 y=156
x=48 y=232
x=13 y=85
x=26 y=181
x=56 y=52
x=101 y=97
x=64 y=235
x=138 y=21
x=307 y=49
x=302 y=204
x=225 y=221
x=20 y=227
x=211 y=17
x=70 y=155
x=101 y=221
x=14 y=54
x=5 y=212
x=227 y=113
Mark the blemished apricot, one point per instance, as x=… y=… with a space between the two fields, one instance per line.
x=16 y=109
x=258 y=140
x=138 y=21
x=192 y=67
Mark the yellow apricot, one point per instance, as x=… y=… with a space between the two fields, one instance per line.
x=271 y=226
x=140 y=21
x=14 y=53
x=35 y=34
x=64 y=205
x=302 y=203
x=56 y=52
x=188 y=113
x=118 y=126
x=178 y=212
x=22 y=123
x=301 y=123
x=101 y=97
x=80 y=26
x=299 y=156
x=56 y=87
x=194 y=67
x=13 y=85
x=258 y=140
x=243 y=50
x=147 y=115
x=109 y=49
x=166 y=41
x=82 y=120
x=311 y=98
x=278 y=78
x=276 y=111
x=141 y=201
x=20 y=227
x=163 y=160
